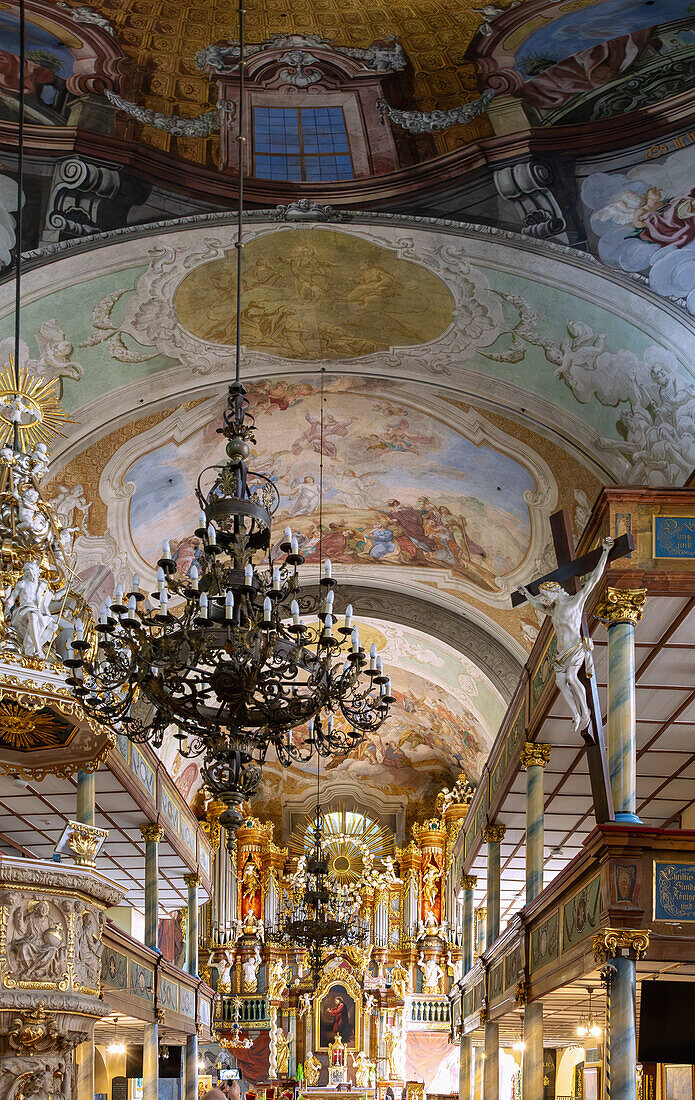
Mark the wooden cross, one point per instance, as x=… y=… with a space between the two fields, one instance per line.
x=569 y=573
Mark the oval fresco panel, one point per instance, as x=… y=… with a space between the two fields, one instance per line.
x=401 y=488
x=316 y=294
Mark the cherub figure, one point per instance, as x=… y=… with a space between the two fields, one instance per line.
x=573 y=648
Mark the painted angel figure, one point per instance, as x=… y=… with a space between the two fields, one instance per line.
x=573 y=649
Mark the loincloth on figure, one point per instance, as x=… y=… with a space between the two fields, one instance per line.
x=572 y=658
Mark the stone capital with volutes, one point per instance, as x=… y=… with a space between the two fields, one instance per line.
x=630 y=942
x=150 y=831
x=192 y=879
x=621 y=605
x=535 y=756
x=469 y=882
x=494 y=833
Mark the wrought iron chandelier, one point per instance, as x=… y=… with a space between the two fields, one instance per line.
x=223 y=655
x=320 y=914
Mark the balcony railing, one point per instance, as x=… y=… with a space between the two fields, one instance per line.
x=252 y=1010
x=428 y=1012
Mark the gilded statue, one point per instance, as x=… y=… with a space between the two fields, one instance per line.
x=400 y=980
x=432 y=974
x=277 y=979
x=312 y=1069
x=430 y=883
x=391 y=1038
x=282 y=1056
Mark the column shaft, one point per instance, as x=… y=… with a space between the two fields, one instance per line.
x=493 y=836
x=469 y=884
x=466 y=1069
x=150 y=1062
x=191 y=1067
x=622 y=727
x=533 y=1052
x=491 y=1071
x=192 y=933
x=481 y=929
x=534 y=832
x=623 y=1041
x=85 y=797
x=85 y=1071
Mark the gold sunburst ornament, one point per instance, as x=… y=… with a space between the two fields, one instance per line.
x=31 y=404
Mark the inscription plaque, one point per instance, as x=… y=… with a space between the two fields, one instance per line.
x=674 y=891
x=674 y=537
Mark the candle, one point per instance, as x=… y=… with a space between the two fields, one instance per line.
x=229 y=605
x=148 y=607
x=267 y=608
x=193 y=575
x=132 y=605
x=294 y=546
x=202 y=520
x=276 y=578
x=212 y=535
x=119 y=594
x=160 y=578
x=379 y=665
x=288 y=534
x=355 y=638
x=348 y=616
x=136 y=583
x=164 y=601
x=79 y=630
x=386 y=687
x=328 y=626
x=248 y=575
x=203 y=602
x=327 y=569
x=310 y=727
x=372 y=656
x=102 y=614
x=166 y=550
x=294 y=608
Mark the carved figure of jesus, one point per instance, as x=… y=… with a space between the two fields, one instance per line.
x=573 y=648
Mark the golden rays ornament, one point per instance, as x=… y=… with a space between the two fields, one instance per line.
x=32 y=407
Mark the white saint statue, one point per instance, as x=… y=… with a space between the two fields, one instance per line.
x=250 y=970
x=27 y=608
x=432 y=974
x=573 y=649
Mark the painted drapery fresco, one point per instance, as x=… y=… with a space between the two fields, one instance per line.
x=399 y=487
x=316 y=295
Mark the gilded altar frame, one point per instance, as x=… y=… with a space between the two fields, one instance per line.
x=326 y=984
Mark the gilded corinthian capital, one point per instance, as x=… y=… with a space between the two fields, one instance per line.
x=469 y=882
x=152 y=832
x=618 y=941
x=621 y=605
x=494 y=832
x=535 y=756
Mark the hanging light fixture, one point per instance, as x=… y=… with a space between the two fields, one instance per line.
x=321 y=914
x=588 y=1026
x=223 y=655
x=115 y=1046
x=235 y=1039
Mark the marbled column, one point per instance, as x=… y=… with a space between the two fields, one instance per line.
x=620 y=948
x=491 y=1070
x=85 y=797
x=480 y=928
x=534 y=758
x=493 y=836
x=468 y=885
x=191 y=1068
x=466 y=1069
x=621 y=609
x=85 y=1070
x=292 y=1036
x=150 y=1062
x=192 y=882
x=152 y=834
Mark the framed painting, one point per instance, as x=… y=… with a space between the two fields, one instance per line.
x=337 y=1014
x=678 y=1082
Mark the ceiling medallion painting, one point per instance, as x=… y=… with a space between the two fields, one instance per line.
x=402 y=489
x=316 y=295
x=308 y=294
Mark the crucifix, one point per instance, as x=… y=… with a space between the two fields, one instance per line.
x=561 y=596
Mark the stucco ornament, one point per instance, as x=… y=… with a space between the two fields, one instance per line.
x=573 y=649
